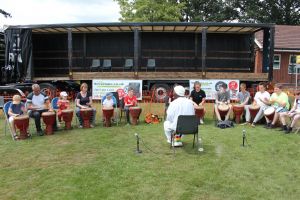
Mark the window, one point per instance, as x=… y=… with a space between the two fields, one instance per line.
x=276 y=61
x=292 y=65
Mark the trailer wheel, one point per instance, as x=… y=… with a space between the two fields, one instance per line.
x=161 y=91
x=48 y=89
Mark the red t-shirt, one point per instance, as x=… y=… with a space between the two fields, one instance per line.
x=62 y=105
x=128 y=100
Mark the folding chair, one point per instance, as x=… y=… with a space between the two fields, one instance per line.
x=114 y=106
x=54 y=103
x=128 y=65
x=186 y=124
x=5 y=110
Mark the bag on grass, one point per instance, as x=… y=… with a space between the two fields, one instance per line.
x=225 y=124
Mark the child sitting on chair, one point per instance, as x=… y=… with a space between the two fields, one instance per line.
x=108 y=101
x=63 y=104
x=15 y=109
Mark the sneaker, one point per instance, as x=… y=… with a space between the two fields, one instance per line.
x=177 y=144
x=246 y=123
x=271 y=126
x=253 y=124
x=288 y=130
x=92 y=126
x=80 y=126
x=267 y=125
x=169 y=141
x=283 y=128
x=201 y=121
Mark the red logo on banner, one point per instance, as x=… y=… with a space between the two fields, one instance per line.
x=121 y=93
x=233 y=85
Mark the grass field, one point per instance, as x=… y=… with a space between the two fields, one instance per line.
x=100 y=163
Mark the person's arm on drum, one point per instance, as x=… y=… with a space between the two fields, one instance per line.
x=246 y=101
x=203 y=100
x=11 y=114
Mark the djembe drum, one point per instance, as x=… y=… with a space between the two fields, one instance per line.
x=199 y=112
x=269 y=113
x=223 y=110
x=238 y=110
x=67 y=116
x=86 y=115
x=107 y=114
x=22 y=123
x=49 y=119
x=135 y=114
x=253 y=109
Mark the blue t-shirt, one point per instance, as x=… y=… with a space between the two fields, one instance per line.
x=17 y=108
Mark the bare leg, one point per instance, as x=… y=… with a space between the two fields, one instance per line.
x=295 y=119
x=282 y=117
x=229 y=112
x=276 y=116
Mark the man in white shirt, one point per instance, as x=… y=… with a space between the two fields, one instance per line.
x=180 y=106
x=261 y=98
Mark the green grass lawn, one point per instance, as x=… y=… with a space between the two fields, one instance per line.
x=100 y=163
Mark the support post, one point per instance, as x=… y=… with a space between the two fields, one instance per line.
x=70 y=52
x=136 y=47
x=203 y=63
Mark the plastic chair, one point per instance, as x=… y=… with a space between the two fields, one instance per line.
x=54 y=103
x=5 y=110
x=95 y=65
x=106 y=65
x=128 y=65
x=186 y=124
x=151 y=64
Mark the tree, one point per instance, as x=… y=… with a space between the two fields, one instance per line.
x=270 y=11
x=6 y=14
x=149 y=10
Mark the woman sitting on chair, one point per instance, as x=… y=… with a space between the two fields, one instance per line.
x=16 y=108
x=83 y=101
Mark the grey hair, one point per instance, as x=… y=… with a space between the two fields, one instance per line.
x=35 y=86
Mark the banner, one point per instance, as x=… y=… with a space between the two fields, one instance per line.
x=101 y=87
x=211 y=87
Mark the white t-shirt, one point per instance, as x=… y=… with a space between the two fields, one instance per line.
x=261 y=95
x=180 y=106
x=108 y=103
x=38 y=101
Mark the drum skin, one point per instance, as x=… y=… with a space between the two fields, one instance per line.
x=135 y=114
x=269 y=113
x=22 y=123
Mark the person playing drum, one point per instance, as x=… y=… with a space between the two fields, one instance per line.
x=198 y=97
x=63 y=104
x=294 y=114
x=83 y=101
x=280 y=101
x=15 y=109
x=37 y=103
x=261 y=99
x=129 y=101
x=180 y=106
x=109 y=102
x=222 y=97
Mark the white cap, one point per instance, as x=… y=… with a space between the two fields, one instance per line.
x=63 y=94
x=179 y=90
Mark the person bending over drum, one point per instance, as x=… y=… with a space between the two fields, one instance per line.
x=129 y=101
x=84 y=101
x=15 y=109
x=261 y=100
x=280 y=101
x=198 y=97
x=37 y=103
x=63 y=104
x=294 y=114
x=243 y=96
x=223 y=100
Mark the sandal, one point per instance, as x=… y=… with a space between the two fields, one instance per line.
x=16 y=137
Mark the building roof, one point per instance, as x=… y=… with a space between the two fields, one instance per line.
x=287 y=38
x=215 y=27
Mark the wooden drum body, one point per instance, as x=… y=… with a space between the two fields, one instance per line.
x=108 y=114
x=67 y=116
x=86 y=115
x=135 y=114
x=223 y=110
x=238 y=110
x=269 y=113
x=253 y=109
x=49 y=119
x=22 y=123
x=199 y=112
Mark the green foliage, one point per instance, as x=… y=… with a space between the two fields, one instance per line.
x=263 y=11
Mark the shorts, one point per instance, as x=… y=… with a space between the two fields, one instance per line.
x=281 y=109
x=11 y=119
